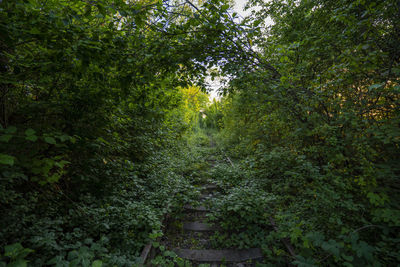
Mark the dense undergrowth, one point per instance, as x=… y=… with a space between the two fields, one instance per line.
x=112 y=227
x=108 y=223
x=93 y=153
x=316 y=137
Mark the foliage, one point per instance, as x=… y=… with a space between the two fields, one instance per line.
x=92 y=119
x=243 y=213
x=214 y=115
x=16 y=254
x=316 y=123
x=195 y=102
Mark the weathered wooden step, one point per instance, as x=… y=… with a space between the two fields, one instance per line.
x=198 y=226
x=225 y=255
x=209 y=187
x=205 y=196
x=198 y=208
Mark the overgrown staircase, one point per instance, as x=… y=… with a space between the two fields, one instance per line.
x=192 y=237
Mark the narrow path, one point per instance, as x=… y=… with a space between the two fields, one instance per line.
x=190 y=236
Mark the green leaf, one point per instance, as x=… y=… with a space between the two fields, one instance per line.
x=18 y=263
x=7 y=160
x=10 y=129
x=64 y=137
x=396 y=70
x=56 y=260
x=316 y=237
x=169 y=253
x=30 y=131
x=224 y=7
x=97 y=263
x=375 y=86
x=5 y=137
x=32 y=138
x=25 y=252
x=331 y=246
x=347 y=258
x=34 y=31
x=364 y=250
x=73 y=255
x=50 y=140
x=12 y=250
x=284 y=59
x=101 y=9
x=61 y=163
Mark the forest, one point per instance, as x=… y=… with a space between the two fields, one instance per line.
x=110 y=141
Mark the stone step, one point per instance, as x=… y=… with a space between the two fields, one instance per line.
x=198 y=208
x=198 y=226
x=225 y=255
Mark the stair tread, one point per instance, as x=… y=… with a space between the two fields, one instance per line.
x=210 y=187
x=198 y=226
x=206 y=196
x=214 y=255
x=198 y=208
